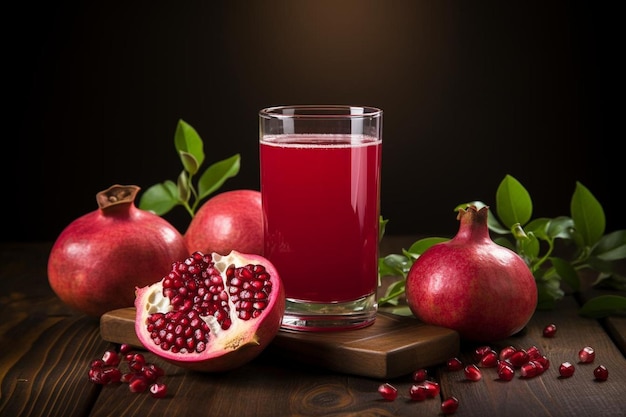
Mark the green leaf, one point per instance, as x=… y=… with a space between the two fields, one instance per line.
x=160 y=198
x=216 y=174
x=587 y=214
x=394 y=265
x=184 y=193
x=528 y=248
x=611 y=247
x=421 y=245
x=513 y=203
x=382 y=225
x=187 y=140
x=190 y=163
x=603 y=306
x=567 y=272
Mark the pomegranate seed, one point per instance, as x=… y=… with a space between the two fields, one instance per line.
x=158 y=390
x=601 y=373
x=137 y=384
x=566 y=370
x=472 y=373
x=432 y=388
x=530 y=370
x=125 y=348
x=420 y=375
x=111 y=358
x=518 y=358
x=506 y=372
x=388 y=391
x=549 y=330
x=543 y=361
x=587 y=354
x=454 y=364
x=506 y=352
x=489 y=360
x=533 y=353
x=114 y=375
x=480 y=351
x=449 y=405
x=418 y=392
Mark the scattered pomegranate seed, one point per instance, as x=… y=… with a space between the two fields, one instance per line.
x=533 y=353
x=566 y=369
x=480 y=351
x=111 y=358
x=454 y=364
x=449 y=405
x=529 y=370
x=518 y=358
x=140 y=375
x=158 y=390
x=489 y=360
x=388 y=391
x=601 y=373
x=138 y=384
x=418 y=392
x=420 y=375
x=506 y=352
x=472 y=373
x=544 y=361
x=549 y=330
x=506 y=372
x=432 y=388
x=125 y=348
x=587 y=354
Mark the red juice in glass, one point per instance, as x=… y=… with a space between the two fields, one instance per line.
x=321 y=208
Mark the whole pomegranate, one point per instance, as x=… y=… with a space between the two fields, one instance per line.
x=98 y=259
x=232 y=220
x=470 y=284
x=211 y=312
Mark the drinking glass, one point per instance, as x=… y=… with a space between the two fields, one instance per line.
x=320 y=186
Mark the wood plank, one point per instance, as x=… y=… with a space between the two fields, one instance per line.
x=391 y=347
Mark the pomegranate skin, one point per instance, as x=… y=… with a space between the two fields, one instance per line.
x=227 y=347
x=470 y=284
x=98 y=259
x=232 y=220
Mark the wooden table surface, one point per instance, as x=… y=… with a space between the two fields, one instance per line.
x=46 y=349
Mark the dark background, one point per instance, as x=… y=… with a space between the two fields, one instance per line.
x=471 y=91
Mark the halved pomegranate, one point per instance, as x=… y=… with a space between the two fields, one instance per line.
x=211 y=312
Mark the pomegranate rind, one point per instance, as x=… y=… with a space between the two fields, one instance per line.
x=232 y=220
x=461 y=284
x=229 y=349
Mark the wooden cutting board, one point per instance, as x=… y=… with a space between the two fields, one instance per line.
x=393 y=346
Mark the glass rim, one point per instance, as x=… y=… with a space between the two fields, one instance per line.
x=320 y=111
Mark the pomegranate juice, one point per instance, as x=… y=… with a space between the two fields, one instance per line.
x=321 y=210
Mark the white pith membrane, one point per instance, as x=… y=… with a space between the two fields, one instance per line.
x=241 y=333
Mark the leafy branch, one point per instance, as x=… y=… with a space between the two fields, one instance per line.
x=585 y=246
x=163 y=197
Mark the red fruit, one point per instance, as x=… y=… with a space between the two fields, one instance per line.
x=449 y=405
x=566 y=369
x=549 y=330
x=418 y=392
x=454 y=364
x=432 y=388
x=470 y=284
x=388 y=391
x=420 y=375
x=505 y=372
x=158 y=390
x=99 y=258
x=472 y=373
x=587 y=354
x=232 y=220
x=211 y=312
x=601 y=373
